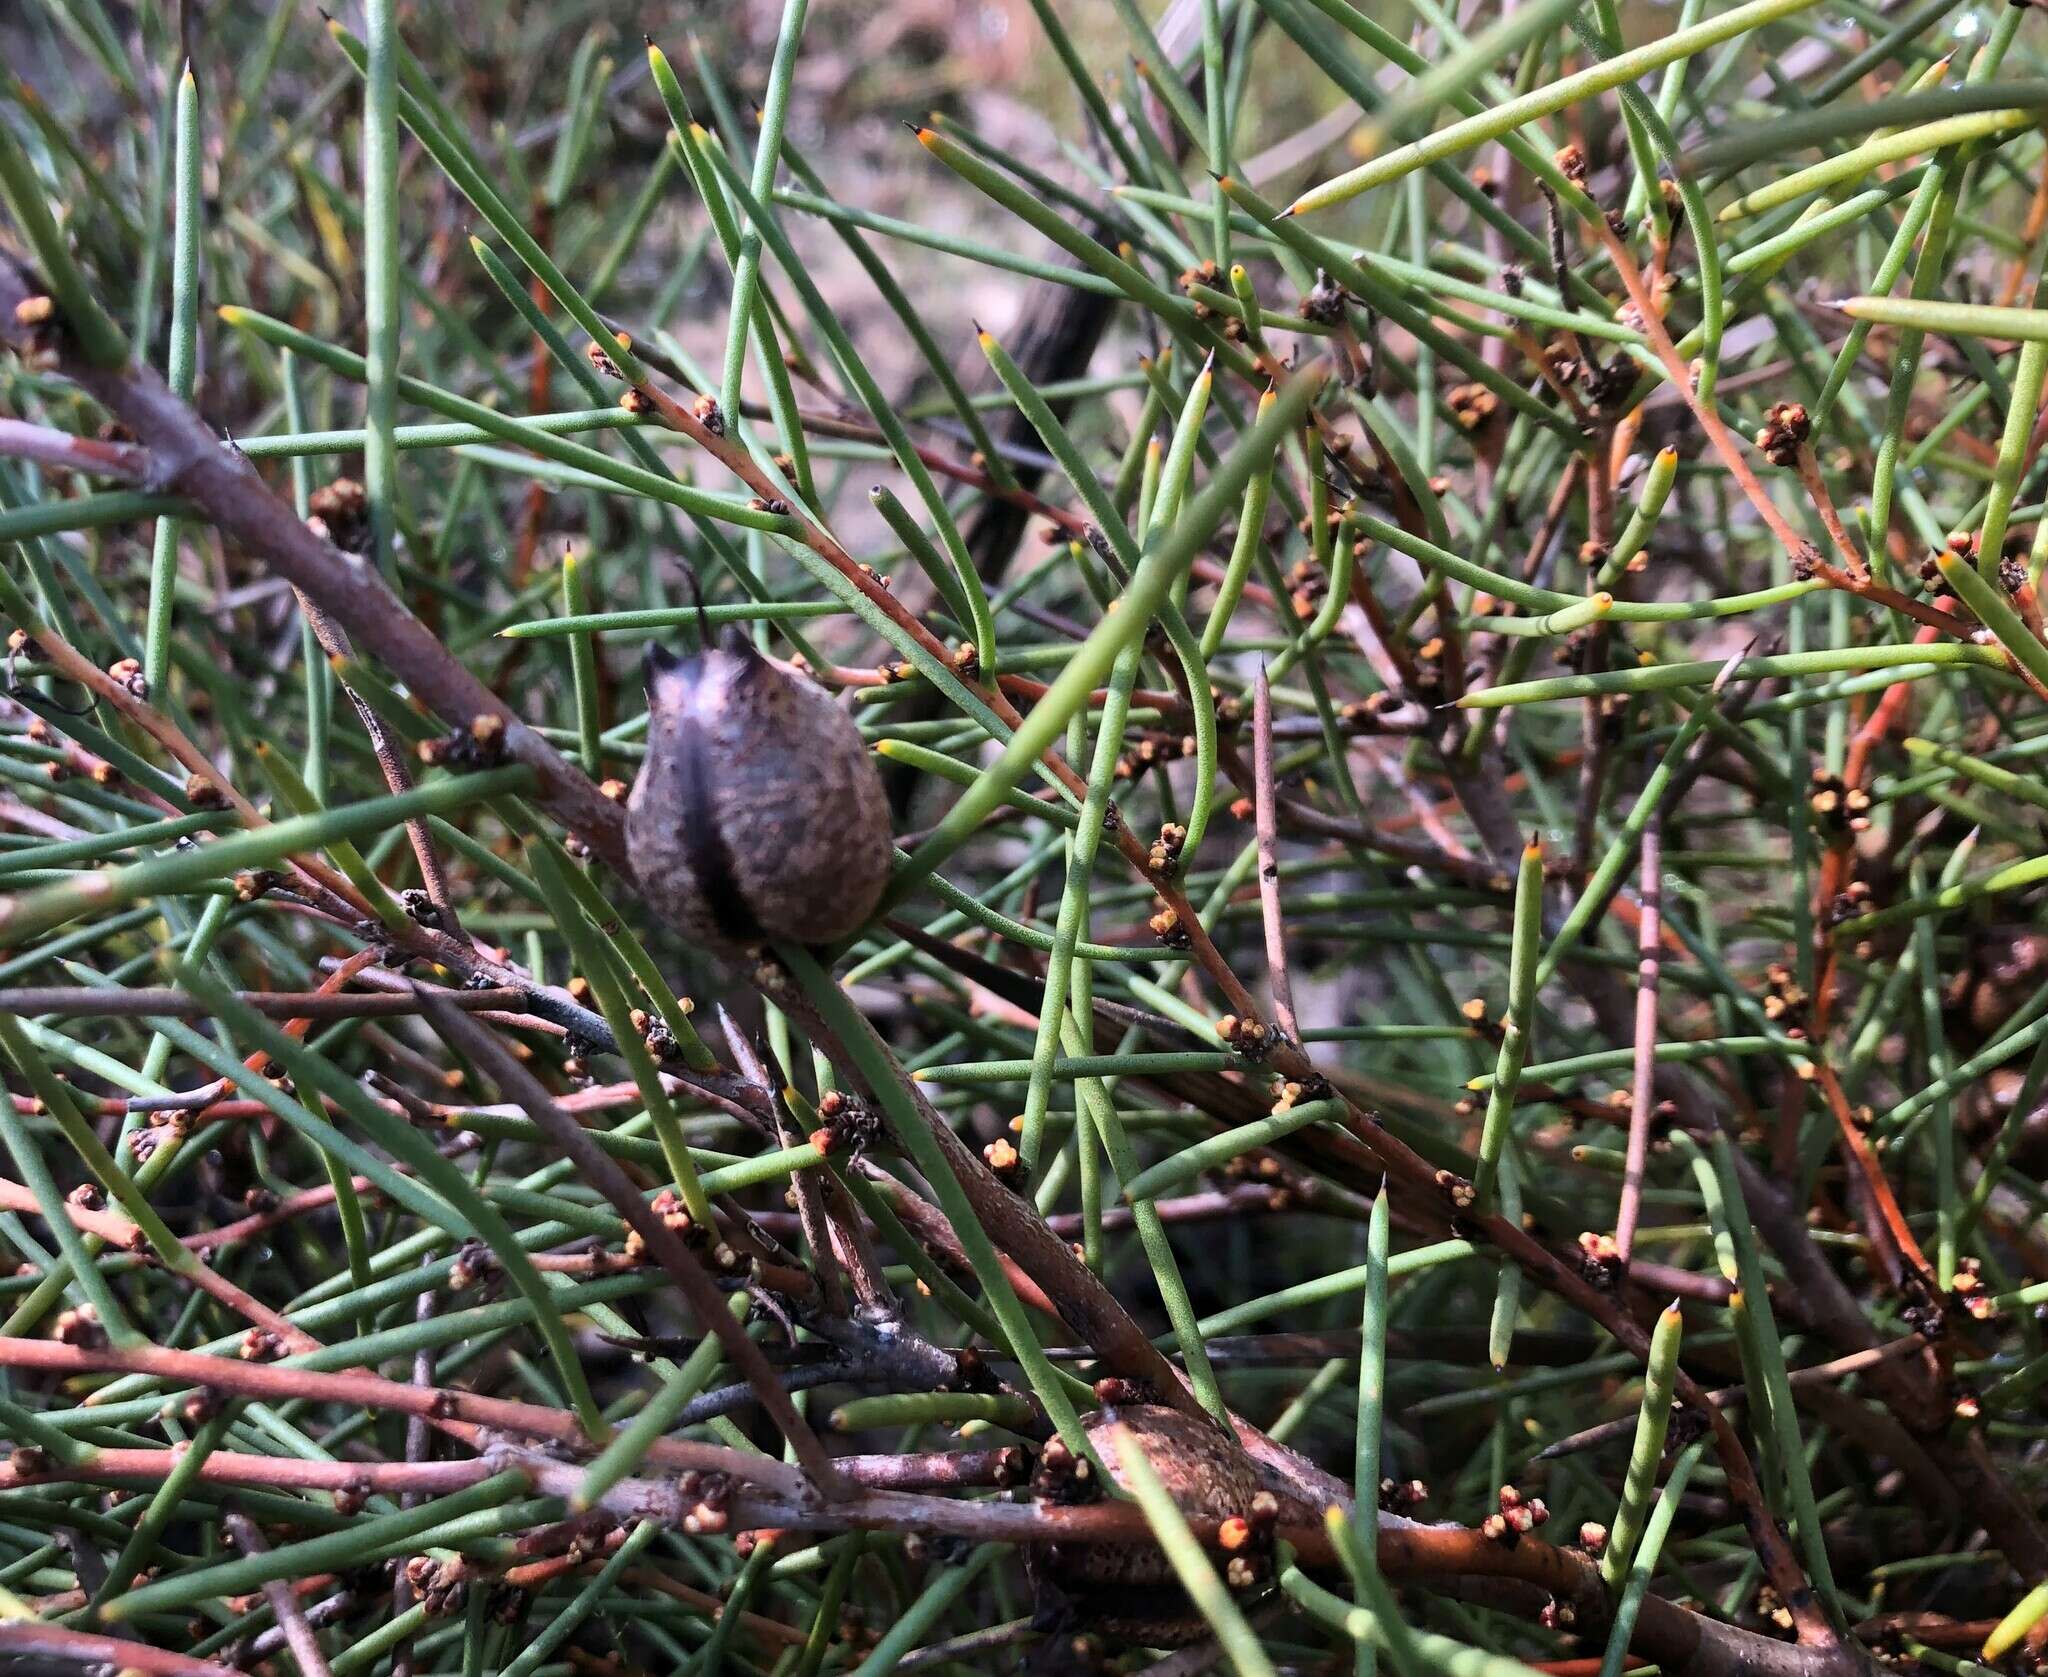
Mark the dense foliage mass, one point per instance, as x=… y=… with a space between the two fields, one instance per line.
x=1445 y=1071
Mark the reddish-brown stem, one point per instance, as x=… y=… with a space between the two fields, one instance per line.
x=283 y=1601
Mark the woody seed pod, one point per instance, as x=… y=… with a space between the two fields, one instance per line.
x=1126 y=1592
x=757 y=813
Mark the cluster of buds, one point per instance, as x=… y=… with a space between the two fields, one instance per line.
x=1254 y=1167
x=21 y=647
x=1784 y=432
x=704 y=1497
x=1456 y=1189
x=1369 y=714
x=601 y=361
x=1005 y=1163
x=1325 y=303
x=481 y=745
x=81 y=1327
x=475 y=1265
x=899 y=669
x=1153 y=751
x=1851 y=902
x=260 y=1345
x=1207 y=275
x=1010 y=1467
x=1927 y=1317
x=1473 y=406
x=1968 y=1287
x=2012 y=561
x=1785 y=998
x=1062 y=1478
x=1599 y=1260
x=1247 y=1539
x=204 y=791
x=440 y=1587
x=1166 y=925
x=28 y=1461
x=1164 y=857
x=340 y=512
x=1293 y=1093
x=1564 y=366
x=1593 y=1539
x=966 y=661
x=1398 y=1496
x=199 y=1405
x=850 y=1123
x=1519 y=1515
x=1308 y=584
x=1429 y=669
x=126 y=673
x=256 y=883
x=1770 y=1607
x=1116 y=1391
x=668 y=1206
x=1247 y=1036
x=1571 y=163
x=163 y=1128
x=1838 y=808
x=36 y=314
x=660 y=1040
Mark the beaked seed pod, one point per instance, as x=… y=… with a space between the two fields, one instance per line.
x=757 y=813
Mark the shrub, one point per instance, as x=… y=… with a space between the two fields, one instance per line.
x=1454 y=686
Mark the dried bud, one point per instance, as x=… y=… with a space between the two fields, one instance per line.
x=342 y=510
x=81 y=1327
x=1473 y=406
x=1784 y=432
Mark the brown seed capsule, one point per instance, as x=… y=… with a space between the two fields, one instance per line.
x=757 y=813
x=1126 y=1591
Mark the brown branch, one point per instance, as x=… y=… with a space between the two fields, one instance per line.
x=20 y=1640
x=285 y=1382
x=225 y=488
x=668 y=1249
x=66 y=1003
x=284 y=1605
